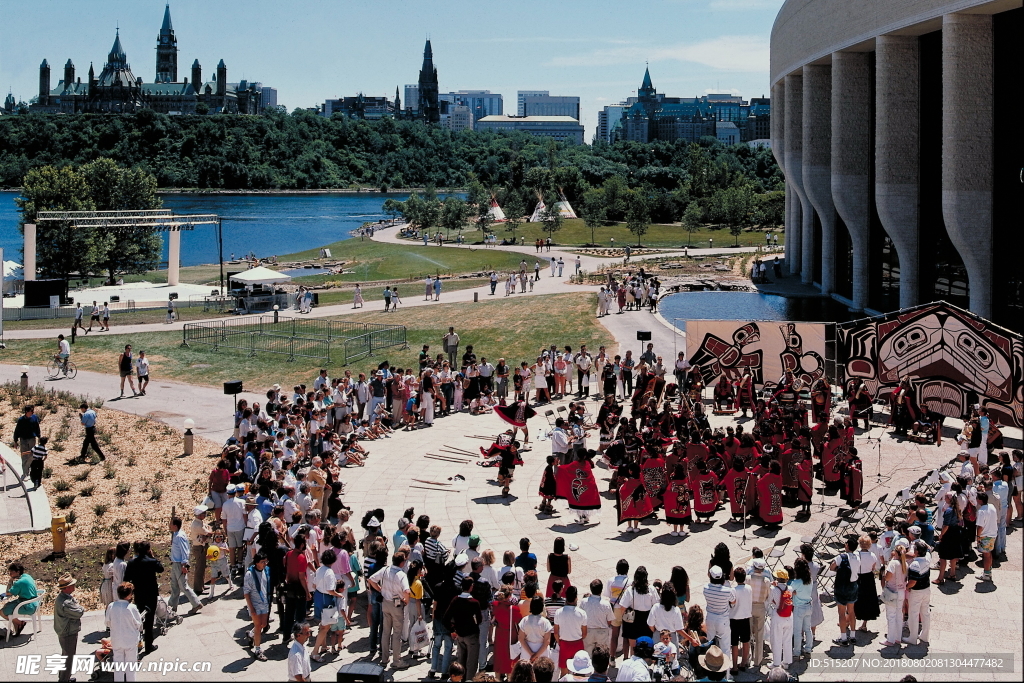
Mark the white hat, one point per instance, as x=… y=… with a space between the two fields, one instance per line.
x=904 y=543
x=231 y=488
x=276 y=387
x=916 y=530
x=373 y=522
x=198 y=510
x=715 y=572
x=758 y=563
x=580 y=663
x=461 y=560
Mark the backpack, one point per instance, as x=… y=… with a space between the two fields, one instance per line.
x=970 y=512
x=785 y=608
x=844 y=573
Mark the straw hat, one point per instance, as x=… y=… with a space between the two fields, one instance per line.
x=65 y=581
x=713 y=660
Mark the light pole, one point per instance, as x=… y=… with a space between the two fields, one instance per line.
x=189 y=424
x=24 y=379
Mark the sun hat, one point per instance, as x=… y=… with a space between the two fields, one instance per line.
x=199 y=510
x=230 y=489
x=782 y=574
x=461 y=560
x=758 y=563
x=373 y=522
x=580 y=664
x=65 y=581
x=713 y=660
x=715 y=572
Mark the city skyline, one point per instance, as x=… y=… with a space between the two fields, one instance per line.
x=710 y=46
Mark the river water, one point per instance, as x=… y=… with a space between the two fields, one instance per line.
x=264 y=224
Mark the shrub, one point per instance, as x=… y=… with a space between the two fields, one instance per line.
x=61 y=485
x=130 y=461
x=109 y=472
x=71 y=517
x=87 y=490
x=47 y=472
x=155 y=492
x=122 y=489
x=100 y=509
x=159 y=475
x=83 y=475
x=65 y=501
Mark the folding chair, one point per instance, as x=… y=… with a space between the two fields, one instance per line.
x=813 y=539
x=871 y=513
x=550 y=416
x=563 y=411
x=774 y=558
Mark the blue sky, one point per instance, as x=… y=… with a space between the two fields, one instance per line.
x=311 y=50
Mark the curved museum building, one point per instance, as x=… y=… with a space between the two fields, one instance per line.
x=898 y=126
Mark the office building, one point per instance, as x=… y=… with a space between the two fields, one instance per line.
x=551 y=105
x=898 y=132
x=359 y=107
x=412 y=97
x=561 y=128
x=480 y=102
x=521 y=97
x=456 y=117
x=727 y=132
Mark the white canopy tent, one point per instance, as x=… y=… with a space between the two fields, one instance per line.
x=260 y=276
x=14 y=276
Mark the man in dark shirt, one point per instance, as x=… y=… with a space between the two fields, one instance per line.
x=526 y=559
x=141 y=572
x=463 y=620
x=26 y=431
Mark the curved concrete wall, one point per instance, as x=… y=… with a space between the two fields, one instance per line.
x=800 y=211
x=817 y=172
x=808 y=30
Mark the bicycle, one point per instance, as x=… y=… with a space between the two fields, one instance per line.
x=58 y=366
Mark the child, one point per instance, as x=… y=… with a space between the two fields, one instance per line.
x=547 y=487
x=344 y=620
x=39 y=453
x=667 y=651
x=459 y=390
x=107 y=584
x=217 y=559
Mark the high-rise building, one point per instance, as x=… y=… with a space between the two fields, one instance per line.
x=269 y=99
x=480 y=102
x=521 y=98
x=551 y=105
x=412 y=97
x=429 y=109
x=609 y=118
x=457 y=117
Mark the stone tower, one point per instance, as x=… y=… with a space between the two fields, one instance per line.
x=44 y=83
x=429 y=109
x=166 y=51
x=398 y=104
x=222 y=78
x=69 y=74
x=197 y=75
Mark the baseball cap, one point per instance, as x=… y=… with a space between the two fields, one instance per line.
x=474 y=541
x=645 y=640
x=715 y=572
x=758 y=563
x=461 y=560
x=198 y=510
x=231 y=488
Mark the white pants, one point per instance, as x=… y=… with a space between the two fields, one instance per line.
x=129 y=654
x=894 y=618
x=597 y=636
x=919 y=614
x=427 y=401
x=781 y=639
x=757 y=621
x=718 y=624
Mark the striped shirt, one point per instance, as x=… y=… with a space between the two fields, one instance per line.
x=434 y=550
x=38 y=451
x=718 y=598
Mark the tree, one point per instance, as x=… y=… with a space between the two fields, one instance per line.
x=430 y=210
x=412 y=209
x=638 y=216
x=60 y=249
x=514 y=210
x=693 y=218
x=593 y=212
x=454 y=212
x=551 y=217
x=392 y=207
x=114 y=188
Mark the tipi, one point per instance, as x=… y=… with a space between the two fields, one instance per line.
x=495 y=212
x=563 y=206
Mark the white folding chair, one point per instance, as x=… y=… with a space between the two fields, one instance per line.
x=34 y=618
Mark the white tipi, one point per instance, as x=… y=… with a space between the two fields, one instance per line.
x=495 y=212
x=563 y=206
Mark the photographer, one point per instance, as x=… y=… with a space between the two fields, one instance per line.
x=636 y=668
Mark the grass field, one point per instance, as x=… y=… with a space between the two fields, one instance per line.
x=513 y=328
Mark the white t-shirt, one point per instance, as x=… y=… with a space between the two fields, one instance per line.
x=634 y=669
x=641 y=602
x=536 y=627
x=65 y=347
x=233 y=512
x=143 y=366
x=668 y=620
x=744 y=601
x=570 y=621
x=665 y=650
x=325 y=580
x=988 y=520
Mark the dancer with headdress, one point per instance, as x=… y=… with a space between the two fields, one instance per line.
x=859 y=398
x=745 y=391
x=821 y=400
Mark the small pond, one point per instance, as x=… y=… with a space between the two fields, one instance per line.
x=678 y=308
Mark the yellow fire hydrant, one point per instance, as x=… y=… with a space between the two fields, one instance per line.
x=59 y=530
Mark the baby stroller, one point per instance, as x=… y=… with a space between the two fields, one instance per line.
x=164 y=617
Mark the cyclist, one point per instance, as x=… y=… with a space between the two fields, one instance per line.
x=63 y=352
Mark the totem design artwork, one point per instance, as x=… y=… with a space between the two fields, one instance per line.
x=954 y=359
x=768 y=349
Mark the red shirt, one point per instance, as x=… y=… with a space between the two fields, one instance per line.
x=219 y=480
x=294 y=566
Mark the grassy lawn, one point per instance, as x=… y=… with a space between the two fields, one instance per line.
x=574 y=232
x=514 y=328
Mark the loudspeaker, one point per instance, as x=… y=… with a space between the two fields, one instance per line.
x=362 y=672
x=643 y=335
x=233 y=387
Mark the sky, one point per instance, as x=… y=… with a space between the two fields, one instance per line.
x=312 y=50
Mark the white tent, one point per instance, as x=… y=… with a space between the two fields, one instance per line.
x=564 y=207
x=538 y=213
x=495 y=212
x=261 y=276
x=14 y=276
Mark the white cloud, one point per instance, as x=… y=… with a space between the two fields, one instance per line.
x=729 y=53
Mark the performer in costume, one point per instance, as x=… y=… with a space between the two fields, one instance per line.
x=705 y=491
x=578 y=486
x=853 y=478
x=548 y=487
x=652 y=473
x=903 y=408
x=769 y=495
x=805 y=477
x=735 y=481
x=507 y=468
x=677 y=502
x=821 y=400
x=745 y=391
x=831 y=458
x=725 y=394
x=633 y=502
x=859 y=398
x=516 y=414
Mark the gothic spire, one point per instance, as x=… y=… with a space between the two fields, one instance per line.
x=166 y=26
x=117 y=52
x=647 y=85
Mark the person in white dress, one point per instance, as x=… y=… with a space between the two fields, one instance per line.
x=125 y=624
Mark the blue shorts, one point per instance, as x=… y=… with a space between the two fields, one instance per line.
x=321 y=600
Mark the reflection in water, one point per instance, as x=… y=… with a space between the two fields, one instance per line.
x=678 y=308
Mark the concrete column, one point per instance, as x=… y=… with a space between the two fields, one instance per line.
x=967 y=172
x=897 y=153
x=793 y=133
x=30 y=252
x=817 y=171
x=851 y=158
x=778 y=123
x=173 y=256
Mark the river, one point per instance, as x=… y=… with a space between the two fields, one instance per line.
x=264 y=224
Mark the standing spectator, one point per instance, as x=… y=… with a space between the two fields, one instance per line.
x=801 y=587
x=739 y=621
x=296 y=591
x=559 y=566
x=760 y=583
x=781 y=603
x=124 y=622
x=919 y=593
x=39 y=455
x=570 y=629
x=641 y=599
x=847 y=569
x=233 y=514
x=26 y=431
x=393 y=585
x=179 y=568
x=141 y=573
x=988 y=528
x=88 y=418
x=124 y=368
x=506 y=631
x=720 y=600
x=256 y=589
x=533 y=632
x=463 y=619
x=600 y=617
x=894 y=593
x=613 y=591
x=299 y=668
x=142 y=368
x=199 y=534
x=450 y=345
x=67 y=622
x=170 y=310
x=105 y=327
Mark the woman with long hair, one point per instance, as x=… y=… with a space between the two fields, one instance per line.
x=801 y=586
x=866 y=607
x=951 y=541
x=666 y=616
x=559 y=566
x=894 y=593
x=634 y=607
x=720 y=558
x=680 y=581
x=504 y=630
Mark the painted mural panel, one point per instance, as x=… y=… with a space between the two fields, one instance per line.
x=953 y=358
x=768 y=348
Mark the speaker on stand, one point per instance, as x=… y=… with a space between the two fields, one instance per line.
x=233 y=388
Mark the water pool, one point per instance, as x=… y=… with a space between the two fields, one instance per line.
x=678 y=308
